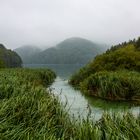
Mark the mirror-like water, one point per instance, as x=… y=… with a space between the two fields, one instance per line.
x=81 y=104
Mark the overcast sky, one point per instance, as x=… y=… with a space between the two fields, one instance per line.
x=46 y=22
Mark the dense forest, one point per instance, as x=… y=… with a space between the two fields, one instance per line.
x=70 y=51
x=9 y=58
x=112 y=75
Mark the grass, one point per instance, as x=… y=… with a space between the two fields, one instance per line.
x=124 y=58
x=29 y=112
x=119 y=85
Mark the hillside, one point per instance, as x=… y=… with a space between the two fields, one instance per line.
x=27 y=52
x=70 y=51
x=9 y=58
x=112 y=75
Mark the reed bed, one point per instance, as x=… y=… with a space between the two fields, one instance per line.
x=29 y=112
x=119 y=85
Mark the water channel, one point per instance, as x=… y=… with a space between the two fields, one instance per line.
x=78 y=103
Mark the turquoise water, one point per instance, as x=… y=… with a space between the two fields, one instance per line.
x=77 y=103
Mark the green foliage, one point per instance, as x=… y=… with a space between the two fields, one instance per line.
x=122 y=45
x=29 y=112
x=123 y=58
x=110 y=127
x=9 y=58
x=112 y=85
x=2 y=65
x=137 y=44
x=81 y=75
x=120 y=85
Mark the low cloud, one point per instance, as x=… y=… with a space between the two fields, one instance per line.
x=46 y=22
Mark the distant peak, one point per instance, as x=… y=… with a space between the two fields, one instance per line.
x=28 y=47
x=75 y=38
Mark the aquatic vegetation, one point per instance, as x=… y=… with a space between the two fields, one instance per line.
x=29 y=112
x=120 y=85
x=109 y=127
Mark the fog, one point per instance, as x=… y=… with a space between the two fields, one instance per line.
x=47 y=22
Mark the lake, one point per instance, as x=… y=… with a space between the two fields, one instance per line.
x=77 y=103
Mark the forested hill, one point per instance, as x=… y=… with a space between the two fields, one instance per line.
x=9 y=58
x=114 y=75
x=27 y=52
x=70 y=51
x=123 y=56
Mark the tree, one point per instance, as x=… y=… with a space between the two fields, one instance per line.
x=137 y=45
x=9 y=58
x=2 y=65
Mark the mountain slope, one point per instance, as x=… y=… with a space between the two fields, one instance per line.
x=9 y=58
x=27 y=52
x=114 y=75
x=123 y=56
x=70 y=51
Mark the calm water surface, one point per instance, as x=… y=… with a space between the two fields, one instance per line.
x=78 y=103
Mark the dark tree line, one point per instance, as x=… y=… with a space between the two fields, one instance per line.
x=134 y=42
x=9 y=58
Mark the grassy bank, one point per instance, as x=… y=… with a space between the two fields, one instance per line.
x=29 y=112
x=127 y=58
x=120 y=85
x=121 y=79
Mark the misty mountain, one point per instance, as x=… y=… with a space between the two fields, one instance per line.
x=26 y=52
x=9 y=58
x=69 y=51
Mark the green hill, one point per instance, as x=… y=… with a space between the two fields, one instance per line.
x=124 y=58
x=70 y=51
x=27 y=52
x=9 y=58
